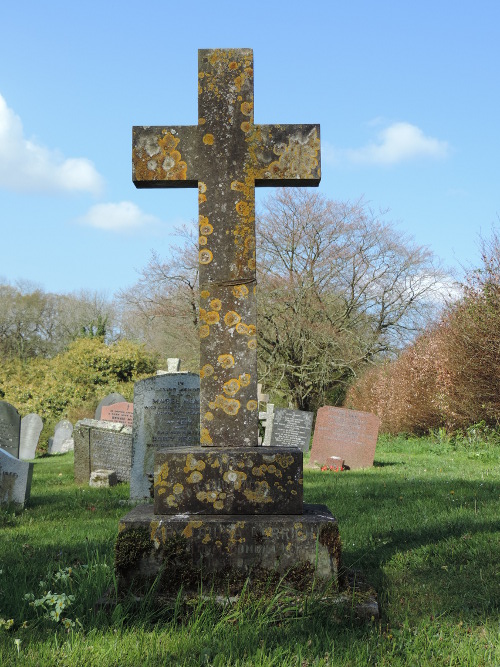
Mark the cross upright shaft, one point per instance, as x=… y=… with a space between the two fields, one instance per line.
x=226 y=155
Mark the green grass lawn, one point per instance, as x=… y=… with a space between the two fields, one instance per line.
x=422 y=526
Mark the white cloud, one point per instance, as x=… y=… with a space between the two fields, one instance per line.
x=26 y=166
x=399 y=142
x=121 y=217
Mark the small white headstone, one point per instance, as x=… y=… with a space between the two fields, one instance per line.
x=15 y=480
x=62 y=434
x=31 y=427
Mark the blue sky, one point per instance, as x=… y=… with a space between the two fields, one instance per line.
x=407 y=95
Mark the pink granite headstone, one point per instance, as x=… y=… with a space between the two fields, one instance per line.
x=118 y=412
x=348 y=434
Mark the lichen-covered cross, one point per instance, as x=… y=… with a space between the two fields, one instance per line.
x=225 y=156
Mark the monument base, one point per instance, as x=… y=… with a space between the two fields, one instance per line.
x=220 y=552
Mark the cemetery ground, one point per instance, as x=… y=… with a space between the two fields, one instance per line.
x=422 y=526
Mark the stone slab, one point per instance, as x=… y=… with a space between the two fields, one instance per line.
x=350 y=435
x=222 y=551
x=15 y=480
x=123 y=413
x=10 y=429
x=291 y=428
x=100 y=479
x=110 y=399
x=102 y=445
x=250 y=480
x=166 y=415
x=31 y=427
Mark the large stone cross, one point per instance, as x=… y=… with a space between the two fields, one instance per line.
x=225 y=156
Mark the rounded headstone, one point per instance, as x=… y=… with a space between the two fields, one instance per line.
x=110 y=399
x=10 y=428
x=62 y=433
x=31 y=427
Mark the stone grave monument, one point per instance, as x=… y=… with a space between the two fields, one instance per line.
x=15 y=480
x=123 y=413
x=10 y=429
x=102 y=445
x=31 y=427
x=348 y=435
x=110 y=399
x=226 y=508
x=291 y=427
x=61 y=442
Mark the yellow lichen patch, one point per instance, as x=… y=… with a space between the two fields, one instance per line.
x=268 y=532
x=206 y=229
x=252 y=329
x=206 y=539
x=194 y=477
x=246 y=108
x=230 y=406
x=215 y=464
x=284 y=460
x=242 y=328
x=188 y=530
x=212 y=317
x=208 y=139
x=201 y=121
x=252 y=405
x=246 y=126
x=207 y=496
x=252 y=344
x=216 y=304
x=251 y=263
x=231 y=387
x=233 y=65
x=208 y=416
x=172 y=501
x=202 y=220
x=243 y=208
x=207 y=371
x=204 y=294
x=260 y=494
x=202 y=240
x=240 y=291
x=204 y=330
x=226 y=360
x=205 y=437
x=205 y=256
x=231 y=318
x=218 y=543
x=202 y=199
x=235 y=477
x=245 y=379
x=192 y=463
x=178 y=489
x=154 y=526
x=250 y=242
x=238 y=82
x=218 y=505
x=297 y=526
x=203 y=314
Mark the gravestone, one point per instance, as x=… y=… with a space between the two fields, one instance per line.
x=291 y=428
x=166 y=414
x=10 y=428
x=61 y=442
x=15 y=480
x=122 y=413
x=102 y=445
x=228 y=507
x=110 y=399
x=31 y=427
x=350 y=435
x=266 y=419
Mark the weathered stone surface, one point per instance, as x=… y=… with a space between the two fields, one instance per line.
x=226 y=155
x=166 y=414
x=249 y=480
x=110 y=399
x=31 y=427
x=123 y=413
x=225 y=550
x=102 y=445
x=267 y=419
x=100 y=479
x=10 y=429
x=61 y=442
x=350 y=435
x=15 y=480
x=291 y=428
x=173 y=365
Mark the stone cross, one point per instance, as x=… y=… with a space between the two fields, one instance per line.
x=225 y=156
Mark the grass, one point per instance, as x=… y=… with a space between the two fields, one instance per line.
x=422 y=525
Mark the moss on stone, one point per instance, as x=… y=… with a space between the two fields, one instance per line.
x=130 y=547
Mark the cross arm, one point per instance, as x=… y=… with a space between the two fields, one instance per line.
x=165 y=157
x=286 y=155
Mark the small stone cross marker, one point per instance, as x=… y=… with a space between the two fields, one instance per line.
x=225 y=156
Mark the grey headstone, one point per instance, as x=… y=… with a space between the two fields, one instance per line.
x=15 y=480
x=102 y=445
x=31 y=427
x=166 y=415
x=10 y=428
x=291 y=428
x=59 y=444
x=110 y=399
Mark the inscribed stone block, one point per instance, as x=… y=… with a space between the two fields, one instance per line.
x=102 y=445
x=110 y=399
x=166 y=415
x=10 y=428
x=348 y=434
x=31 y=427
x=250 y=480
x=122 y=413
x=15 y=480
x=291 y=428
